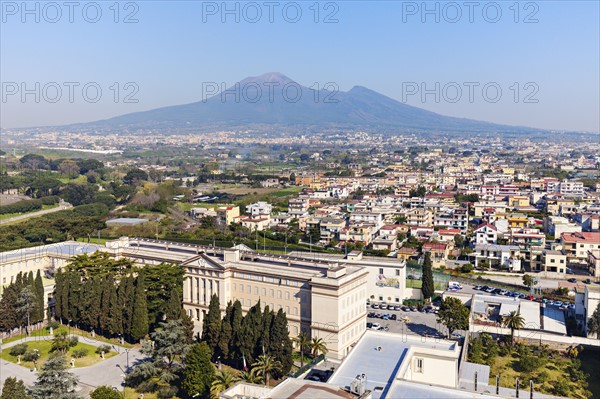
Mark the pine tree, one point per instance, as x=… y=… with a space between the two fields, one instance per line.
x=55 y=381
x=427 y=287
x=174 y=305
x=39 y=291
x=199 y=371
x=14 y=389
x=115 y=318
x=139 y=319
x=211 y=327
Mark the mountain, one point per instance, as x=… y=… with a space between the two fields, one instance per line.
x=273 y=99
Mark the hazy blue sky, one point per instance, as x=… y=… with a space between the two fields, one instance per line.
x=388 y=46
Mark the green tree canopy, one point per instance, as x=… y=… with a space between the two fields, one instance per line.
x=453 y=314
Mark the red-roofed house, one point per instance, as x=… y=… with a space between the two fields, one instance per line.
x=438 y=251
x=576 y=245
x=486 y=233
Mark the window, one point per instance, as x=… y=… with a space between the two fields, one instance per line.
x=278 y=294
x=241 y=287
x=272 y=293
x=264 y=292
x=380 y=298
x=418 y=365
x=287 y=296
x=381 y=270
x=397 y=272
x=234 y=286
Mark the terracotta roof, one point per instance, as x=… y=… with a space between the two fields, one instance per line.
x=591 y=237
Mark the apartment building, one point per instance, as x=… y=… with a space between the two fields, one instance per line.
x=452 y=218
x=486 y=233
x=567 y=187
x=330 y=228
x=259 y=209
x=577 y=245
x=298 y=207
x=499 y=256
x=419 y=217
x=227 y=214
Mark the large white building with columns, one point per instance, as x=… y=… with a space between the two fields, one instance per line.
x=325 y=298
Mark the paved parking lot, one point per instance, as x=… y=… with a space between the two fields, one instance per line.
x=424 y=324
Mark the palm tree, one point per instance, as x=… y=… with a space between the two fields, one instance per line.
x=223 y=380
x=318 y=345
x=514 y=321
x=265 y=365
x=250 y=377
x=302 y=342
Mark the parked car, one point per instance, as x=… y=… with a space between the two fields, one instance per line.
x=369 y=324
x=587 y=281
x=572 y=280
x=456 y=335
x=502 y=292
x=521 y=296
x=371 y=314
x=393 y=317
x=558 y=303
x=375 y=326
x=386 y=316
x=489 y=289
x=478 y=287
x=405 y=309
x=375 y=306
x=413 y=308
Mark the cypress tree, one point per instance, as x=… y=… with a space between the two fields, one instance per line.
x=225 y=336
x=281 y=345
x=249 y=331
x=66 y=294
x=139 y=318
x=58 y=289
x=30 y=281
x=108 y=284
x=211 y=325
x=39 y=291
x=126 y=296
x=92 y=299
x=427 y=287
x=76 y=296
x=174 y=306
x=262 y=343
x=114 y=324
x=8 y=308
x=236 y=327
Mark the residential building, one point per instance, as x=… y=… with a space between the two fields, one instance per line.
x=227 y=214
x=499 y=256
x=452 y=218
x=259 y=209
x=577 y=245
x=486 y=233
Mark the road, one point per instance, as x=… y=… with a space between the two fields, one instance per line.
x=61 y=207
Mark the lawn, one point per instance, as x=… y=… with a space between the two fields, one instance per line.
x=552 y=372
x=44 y=348
x=70 y=330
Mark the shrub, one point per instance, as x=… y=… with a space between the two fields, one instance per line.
x=18 y=350
x=73 y=341
x=31 y=356
x=79 y=353
x=146 y=386
x=52 y=324
x=103 y=348
x=467 y=268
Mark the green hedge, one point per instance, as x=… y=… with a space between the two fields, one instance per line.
x=28 y=205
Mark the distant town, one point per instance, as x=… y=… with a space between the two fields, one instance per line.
x=345 y=264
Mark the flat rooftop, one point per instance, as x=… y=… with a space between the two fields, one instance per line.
x=126 y=221
x=554 y=320
x=380 y=367
x=67 y=248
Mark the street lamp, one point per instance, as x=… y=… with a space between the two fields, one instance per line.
x=127 y=352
